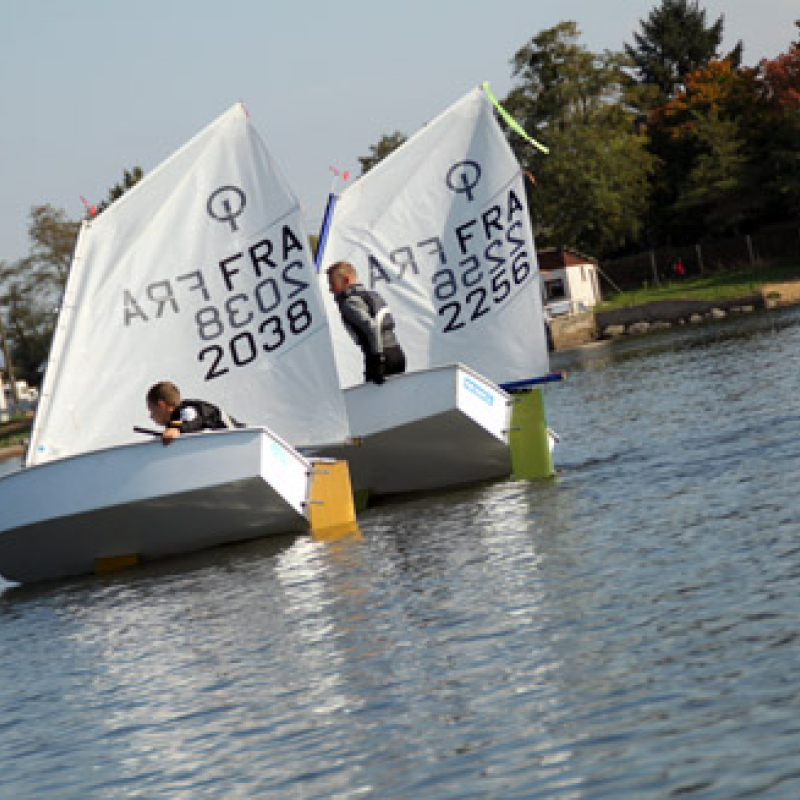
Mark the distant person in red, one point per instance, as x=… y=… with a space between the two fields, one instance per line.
x=679 y=270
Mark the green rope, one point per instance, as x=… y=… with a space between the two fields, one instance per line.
x=512 y=123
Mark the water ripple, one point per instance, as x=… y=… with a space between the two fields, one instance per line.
x=628 y=630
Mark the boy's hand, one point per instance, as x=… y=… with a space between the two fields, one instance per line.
x=376 y=368
x=169 y=434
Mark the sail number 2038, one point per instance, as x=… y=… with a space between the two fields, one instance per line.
x=259 y=323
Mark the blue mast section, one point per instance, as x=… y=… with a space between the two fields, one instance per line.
x=323 y=231
x=519 y=386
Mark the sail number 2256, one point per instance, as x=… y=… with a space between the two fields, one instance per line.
x=468 y=293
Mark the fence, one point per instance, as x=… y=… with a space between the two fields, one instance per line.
x=714 y=255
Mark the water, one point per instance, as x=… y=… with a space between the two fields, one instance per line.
x=630 y=630
x=9 y=465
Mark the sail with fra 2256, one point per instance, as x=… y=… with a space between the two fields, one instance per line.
x=441 y=229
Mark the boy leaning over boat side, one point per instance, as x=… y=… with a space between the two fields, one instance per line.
x=184 y=416
x=368 y=321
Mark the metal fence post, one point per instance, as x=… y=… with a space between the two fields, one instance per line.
x=653 y=265
x=699 y=257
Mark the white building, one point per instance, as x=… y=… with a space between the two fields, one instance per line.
x=569 y=281
x=26 y=395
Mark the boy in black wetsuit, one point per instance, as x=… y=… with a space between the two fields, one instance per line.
x=183 y=416
x=368 y=321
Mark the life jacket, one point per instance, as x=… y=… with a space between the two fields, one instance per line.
x=191 y=416
x=381 y=326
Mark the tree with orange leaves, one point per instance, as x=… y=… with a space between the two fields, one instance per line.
x=777 y=136
x=702 y=136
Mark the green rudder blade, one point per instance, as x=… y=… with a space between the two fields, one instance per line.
x=529 y=440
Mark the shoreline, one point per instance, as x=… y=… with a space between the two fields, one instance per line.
x=16 y=434
x=7 y=453
x=598 y=326
x=661 y=314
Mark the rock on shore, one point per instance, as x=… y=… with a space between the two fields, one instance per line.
x=661 y=314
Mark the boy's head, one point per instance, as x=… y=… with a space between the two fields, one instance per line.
x=162 y=398
x=341 y=275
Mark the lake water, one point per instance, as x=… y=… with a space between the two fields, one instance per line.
x=630 y=630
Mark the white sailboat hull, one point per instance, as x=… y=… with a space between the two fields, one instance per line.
x=428 y=430
x=149 y=501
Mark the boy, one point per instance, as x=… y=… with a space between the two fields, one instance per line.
x=183 y=416
x=368 y=320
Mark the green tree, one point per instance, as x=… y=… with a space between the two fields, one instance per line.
x=591 y=190
x=777 y=136
x=28 y=320
x=561 y=83
x=706 y=136
x=675 y=40
x=52 y=238
x=714 y=192
x=386 y=145
x=31 y=288
x=129 y=179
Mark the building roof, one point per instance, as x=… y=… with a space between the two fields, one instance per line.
x=561 y=257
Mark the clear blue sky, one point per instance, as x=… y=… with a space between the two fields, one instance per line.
x=92 y=87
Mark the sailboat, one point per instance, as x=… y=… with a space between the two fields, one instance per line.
x=201 y=275
x=441 y=229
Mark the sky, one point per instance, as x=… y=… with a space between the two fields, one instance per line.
x=95 y=87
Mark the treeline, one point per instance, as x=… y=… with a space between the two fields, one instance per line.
x=31 y=288
x=667 y=142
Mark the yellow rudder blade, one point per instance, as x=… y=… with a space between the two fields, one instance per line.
x=331 y=509
x=528 y=438
x=109 y=564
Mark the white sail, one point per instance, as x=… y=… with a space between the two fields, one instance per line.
x=441 y=229
x=202 y=275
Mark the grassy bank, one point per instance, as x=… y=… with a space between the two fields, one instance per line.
x=717 y=286
x=15 y=430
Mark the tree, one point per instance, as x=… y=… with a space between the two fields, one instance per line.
x=591 y=191
x=31 y=288
x=674 y=42
x=562 y=83
x=714 y=194
x=52 y=236
x=28 y=323
x=709 y=182
x=777 y=138
x=5 y=350
x=378 y=152
x=129 y=180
